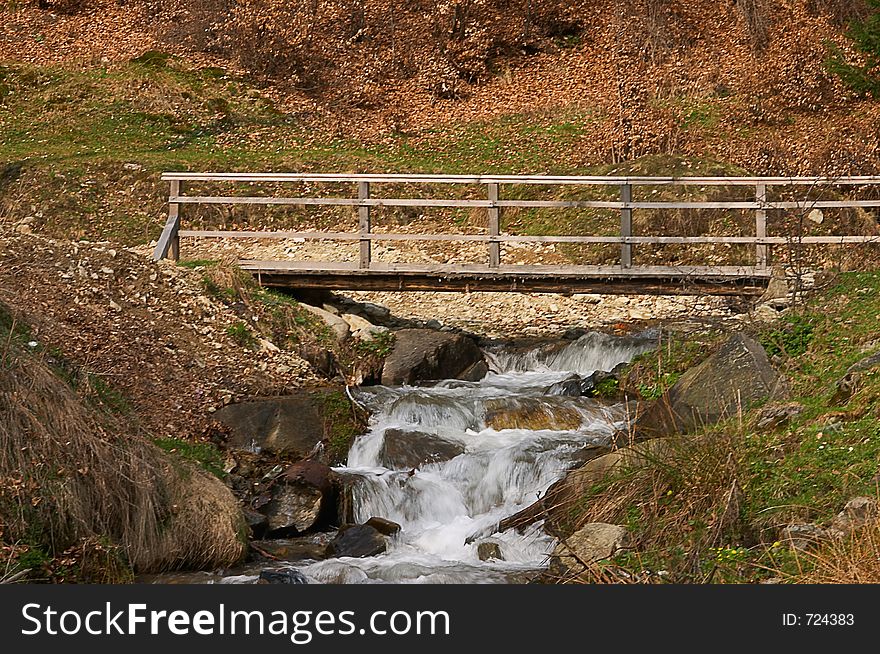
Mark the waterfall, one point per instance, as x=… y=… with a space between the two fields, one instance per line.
x=498 y=444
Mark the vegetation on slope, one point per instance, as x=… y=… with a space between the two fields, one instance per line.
x=712 y=506
x=84 y=498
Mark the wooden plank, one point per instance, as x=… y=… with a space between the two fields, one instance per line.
x=761 y=251
x=494 y=218
x=364 y=225
x=506 y=238
x=520 y=179
x=567 y=286
x=322 y=267
x=626 y=226
x=475 y=204
x=169 y=241
x=338 y=202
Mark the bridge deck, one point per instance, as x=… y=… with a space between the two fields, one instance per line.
x=682 y=280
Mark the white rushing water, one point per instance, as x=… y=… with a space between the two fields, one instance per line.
x=513 y=434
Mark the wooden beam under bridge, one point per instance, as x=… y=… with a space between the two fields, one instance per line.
x=566 y=280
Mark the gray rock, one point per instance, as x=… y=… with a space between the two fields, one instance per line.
x=256 y=522
x=572 y=386
x=554 y=505
x=775 y=415
x=294 y=508
x=361 y=328
x=777 y=292
x=293 y=425
x=357 y=541
x=849 y=383
x=424 y=354
x=287 y=576
x=737 y=376
x=858 y=512
x=802 y=536
x=376 y=311
x=593 y=542
x=383 y=526
x=336 y=324
x=846 y=387
x=404 y=450
x=489 y=550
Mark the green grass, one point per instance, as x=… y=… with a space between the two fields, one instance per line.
x=206 y=455
x=241 y=333
x=91 y=144
x=802 y=472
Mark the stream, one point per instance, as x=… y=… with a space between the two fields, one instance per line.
x=496 y=446
x=446 y=508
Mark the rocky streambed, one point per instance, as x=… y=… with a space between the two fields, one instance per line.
x=458 y=439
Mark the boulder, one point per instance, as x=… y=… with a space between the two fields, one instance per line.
x=489 y=550
x=383 y=526
x=311 y=473
x=554 y=506
x=802 y=536
x=778 y=414
x=286 y=576
x=357 y=541
x=292 y=509
x=849 y=383
x=777 y=293
x=572 y=386
x=404 y=450
x=337 y=325
x=579 y=386
x=593 y=542
x=858 y=512
x=294 y=425
x=531 y=413
x=736 y=377
x=424 y=354
x=256 y=522
x=322 y=360
x=361 y=328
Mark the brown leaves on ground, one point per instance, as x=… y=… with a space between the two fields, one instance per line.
x=743 y=82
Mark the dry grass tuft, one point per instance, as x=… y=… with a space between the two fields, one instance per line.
x=67 y=476
x=686 y=496
x=851 y=560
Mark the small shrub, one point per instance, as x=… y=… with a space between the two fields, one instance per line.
x=792 y=338
x=241 y=334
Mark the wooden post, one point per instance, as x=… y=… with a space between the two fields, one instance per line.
x=169 y=241
x=494 y=226
x=364 y=225
x=174 y=213
x=761 y=251
x=626 y=223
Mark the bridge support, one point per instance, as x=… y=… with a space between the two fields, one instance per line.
x=169 y=241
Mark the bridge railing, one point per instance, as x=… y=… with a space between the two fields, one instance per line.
x=802 y=189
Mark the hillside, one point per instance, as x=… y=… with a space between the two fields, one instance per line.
x=97 y=97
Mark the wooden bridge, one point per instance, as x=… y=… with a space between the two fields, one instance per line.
x=758 y=195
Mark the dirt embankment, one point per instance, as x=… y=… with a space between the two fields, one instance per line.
x=151 y=332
